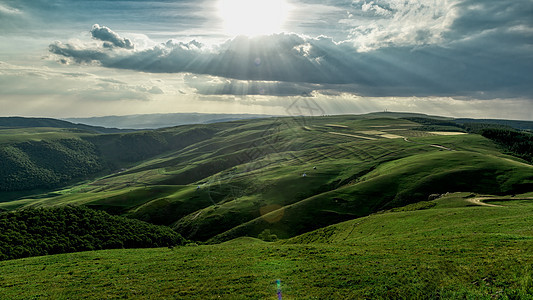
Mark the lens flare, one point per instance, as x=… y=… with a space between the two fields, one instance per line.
x=278 y=285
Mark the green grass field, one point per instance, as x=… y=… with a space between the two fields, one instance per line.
x=249 y=175
x=365 y=207
x=17 y=135
x=451 y=249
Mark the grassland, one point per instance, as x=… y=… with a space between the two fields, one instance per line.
x=371 y=206
x=18 y=135
x=239 y=178
x=41 y=158
x=446 y=248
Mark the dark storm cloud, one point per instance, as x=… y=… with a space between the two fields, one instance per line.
x=396 y=71
x=283 y=57
x=482 y=15
x=77 y=54
x=105 y=34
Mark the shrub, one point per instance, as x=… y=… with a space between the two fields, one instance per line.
x=267 y=236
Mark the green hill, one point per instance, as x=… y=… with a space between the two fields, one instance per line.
x=290 y=175
x=380 y=206
x=452 y=249
x=20 y=122
x=44 y=158
x=393 y=184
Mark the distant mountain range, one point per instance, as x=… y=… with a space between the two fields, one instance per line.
x=128 y=123
x=155 y=121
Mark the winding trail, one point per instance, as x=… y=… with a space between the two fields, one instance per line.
x=479 y=201
x=352 y=135
x=430 y=145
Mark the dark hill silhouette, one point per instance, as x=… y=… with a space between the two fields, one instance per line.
x=21 y=122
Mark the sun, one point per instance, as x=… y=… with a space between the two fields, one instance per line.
x=253 y=17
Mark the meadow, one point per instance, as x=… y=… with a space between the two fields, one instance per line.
x=287 y=175
x=452 y=250
x=380 y=206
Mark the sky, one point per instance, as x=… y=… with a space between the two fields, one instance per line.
x=81 y=58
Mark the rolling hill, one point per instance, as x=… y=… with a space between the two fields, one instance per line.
x=448 y=248
x=289 y=175
x=155 y=121
x=38 y=158
x=22 y=122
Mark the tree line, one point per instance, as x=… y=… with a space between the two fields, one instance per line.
x=517 y=143
x=36 y=232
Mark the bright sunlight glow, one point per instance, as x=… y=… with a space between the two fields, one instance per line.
x=253 y=17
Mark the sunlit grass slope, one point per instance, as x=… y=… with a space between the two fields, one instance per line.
x=393 y=184
x=16 y=135
x=290 y=175
x=39 y=159
x=452 y=249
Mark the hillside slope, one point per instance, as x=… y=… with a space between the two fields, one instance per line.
x=46 y=158
x=289 y=175
x=452 y=249
x=155 y=121
x=21 y=122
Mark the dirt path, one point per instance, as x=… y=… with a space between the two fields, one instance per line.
x=478 y=201
x=337 y=126
x=441 y=147
x=430 y=145
x=352 y=135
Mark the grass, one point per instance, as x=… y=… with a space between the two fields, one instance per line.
x=449 y=251
x=228 y=182
x=248 y=169
x=392 y=184
x=18 y=135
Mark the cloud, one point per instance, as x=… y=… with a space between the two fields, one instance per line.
x=78 y=54
x=111 y=38
x=384 y=23
x=166 y=18
x=209 y=85
x=46 y=82
x=11 y=18
x=280 y=57
x=470 y=49
x=394 y=71
x=377 y=9
x=478 y=16
x=6 y=10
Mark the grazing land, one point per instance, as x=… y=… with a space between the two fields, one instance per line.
x=446 y=248
x=385 y=205
x=288 y=175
